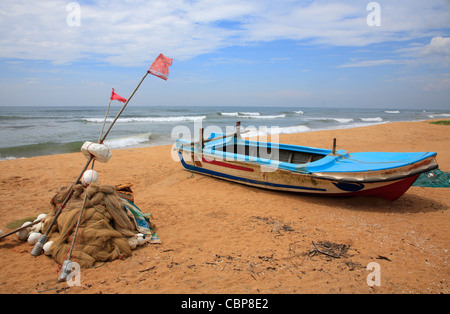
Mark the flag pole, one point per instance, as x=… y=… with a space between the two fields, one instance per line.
x=104 y=121
x=123 y=108
x=103 y=125
x=66 y=268
x=38 y=247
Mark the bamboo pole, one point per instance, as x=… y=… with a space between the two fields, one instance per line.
x=67 y=265
x=38 y=248
x=123 y=108
x=104 y=121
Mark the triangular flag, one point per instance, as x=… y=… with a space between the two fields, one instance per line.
x=115 y=96
x=160 y=67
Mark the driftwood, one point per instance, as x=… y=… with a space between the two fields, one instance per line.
x=329 y=249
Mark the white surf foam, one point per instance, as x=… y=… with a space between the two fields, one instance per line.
x=129 y=141
x=275 y=130
x=147 y=119
x=377 y=119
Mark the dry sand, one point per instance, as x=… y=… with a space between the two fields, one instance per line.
x=223 y=237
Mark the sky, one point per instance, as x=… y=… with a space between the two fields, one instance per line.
x=297 y=53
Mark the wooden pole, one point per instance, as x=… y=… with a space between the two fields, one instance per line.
x=202 y=138
x=123 y=108
x=104 y=121
x=67 y=265
x=213 y=139
x=38 y=247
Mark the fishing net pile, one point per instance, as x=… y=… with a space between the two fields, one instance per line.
x=434 y=179
x=108 y=226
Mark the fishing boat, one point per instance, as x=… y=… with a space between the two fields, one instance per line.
x=304 y=169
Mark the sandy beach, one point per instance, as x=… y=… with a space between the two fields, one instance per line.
x=223 y=237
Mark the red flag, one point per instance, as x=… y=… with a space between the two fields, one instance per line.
x=160 y=67
x=114 y=96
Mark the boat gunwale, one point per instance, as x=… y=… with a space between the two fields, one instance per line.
x=210 y=152
x=313 y=175
x=210 y=148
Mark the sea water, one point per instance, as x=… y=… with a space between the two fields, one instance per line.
x=36 y=131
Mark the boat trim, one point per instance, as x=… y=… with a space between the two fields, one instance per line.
x=240 y=179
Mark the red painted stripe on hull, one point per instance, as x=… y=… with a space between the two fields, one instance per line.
x=223 y=164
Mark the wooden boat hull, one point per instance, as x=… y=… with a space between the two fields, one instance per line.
x=386 y=182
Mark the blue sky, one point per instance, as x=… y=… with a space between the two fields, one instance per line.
x=227 y=52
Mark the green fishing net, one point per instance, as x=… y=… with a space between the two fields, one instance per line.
x=434 y=179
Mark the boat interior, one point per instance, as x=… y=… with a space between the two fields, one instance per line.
x=268 y=152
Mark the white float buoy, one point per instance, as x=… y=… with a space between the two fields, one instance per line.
x=89 y=177
x=41 y=216
x=37 y=227
x=22 y=235
x=47 y=248
x=33 y=237
x=140 y=238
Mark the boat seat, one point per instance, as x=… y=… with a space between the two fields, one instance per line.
x=300 y=158
x=290 y=157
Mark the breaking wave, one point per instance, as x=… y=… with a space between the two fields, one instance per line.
x=129 y=141
x=377 y=119
x=276 y=130
x=439 y=115
x=251 y=115
x=239 y=114
x=340 y=120
x=147 y=119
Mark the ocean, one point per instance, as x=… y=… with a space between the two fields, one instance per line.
x=37 y=131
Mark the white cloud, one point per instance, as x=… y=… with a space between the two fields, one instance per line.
x=132 y=32
x=437 y=51
x=371 y=63
x=438 y=45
